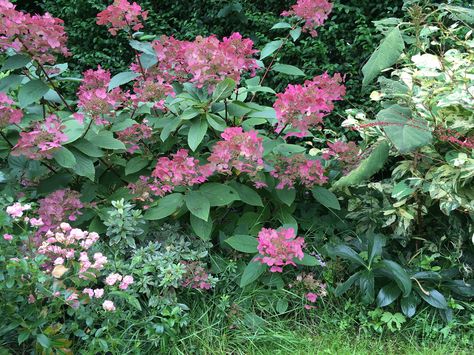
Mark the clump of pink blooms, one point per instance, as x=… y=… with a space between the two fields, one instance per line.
x=313 y=12
x=94 y=98
x=59 y=206
x=66 y=245
x=297 y=168
x=302 y=107
x=238 y=150
x=204 y=61
x=93 y=293
x=131 y=136
x=347 y=154
x=108 y=306
x=40 y=36
x=124 y=281
x=8 y=114
x=16 y=210
x=153 y=90
x=180 y=170
x=278 y=248
x=122 y=15
x=41 y=143
x=312 y=288
x=196 y=276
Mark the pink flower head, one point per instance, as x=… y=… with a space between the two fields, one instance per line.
x=16 y=210
x=153 y=89
x=278 y=248
x=311 y=297
x=238 y=150
x=89 y=292
x=204 y=61
x=133 y=135
x=122 y=15
x=7 y=237
x=196 y=276
x=8 y=115
x=98 y=292
x=59 y=206
x=304 y=106
x=94 y=97
x=112 y=279
x=347 y=154
x=126 y=281
x=36 y=222
x=297 y=168
x=108 y=306
x=180 y=170
x=313 y=12
x=40 y=36
x=43 y=141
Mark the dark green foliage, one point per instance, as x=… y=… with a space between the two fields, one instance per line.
x=343 y=44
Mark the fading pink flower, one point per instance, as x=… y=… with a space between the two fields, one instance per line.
x=311 y=297
x=8 y=115
x=297 y=168
x=7 y=237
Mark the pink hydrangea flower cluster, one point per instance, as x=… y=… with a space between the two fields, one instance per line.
x=94 y=99
x=238 y=150
x=8 y=115
x=153 y=90
x=180 y=170
x=67 y=245
x=313 y=12
x=122 y=15
x=42 y=37
x=108 y=306
x=16 y=210
x=93 y=293
x=196 y=276
x=278 y=248
x=41 y=143
x=205 y=61
x=304 y=106
x=347 y=154
x=132 y=136
x=59 y=206
x=297 y=168
x=125 y=281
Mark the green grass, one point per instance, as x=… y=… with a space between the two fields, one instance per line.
x=210 y=332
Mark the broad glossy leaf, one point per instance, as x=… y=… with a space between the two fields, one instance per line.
x=252 y=272
x=375 y=244
x=367 y=167
x=409 y=304
x=31 y=92
x=196 y=133
x=65 y=158
x=16 y=61
x=308 y=260
x=136 y=164
x=122 y=78
x=223 y=90
x=198 y=204
x=326 y=197
x=384 y=56
x=247 y=194
x=366 y=284
x=388 y=294
x=406 y=133
x=270 y=48
x=288 y=69
x=84 y=165
x=287 y=196
x=243 y=243
x=73 y=130
x=166 y=207
x=345 y=286
x=106 y=140
x=398 y=274
x=345 y=252
x=434 y=298
x=219 y=194
x=203 y=229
